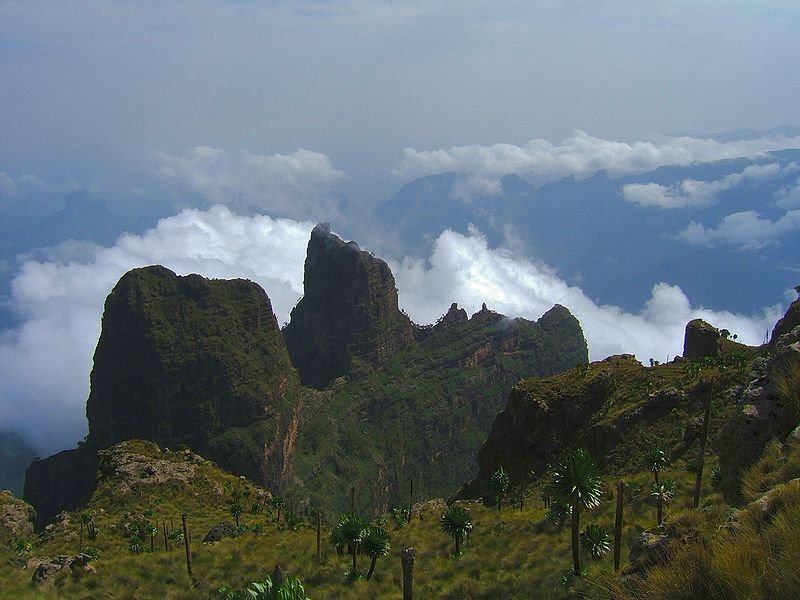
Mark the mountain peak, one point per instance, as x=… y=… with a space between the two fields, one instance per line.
x=348 y=319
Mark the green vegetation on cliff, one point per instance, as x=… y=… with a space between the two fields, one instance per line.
x=424 y=414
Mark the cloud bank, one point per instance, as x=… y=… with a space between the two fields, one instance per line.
x=746 y=229
x=580 y=155
x=45 y=362
x=691 y=192
x=466 y=270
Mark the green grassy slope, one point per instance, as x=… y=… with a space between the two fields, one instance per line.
x=511 y=553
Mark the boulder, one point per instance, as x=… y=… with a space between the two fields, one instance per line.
x=54 y=571
x=219 y=532
x=700 y=340
x=649 y=550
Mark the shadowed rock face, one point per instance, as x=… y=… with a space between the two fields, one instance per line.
x=60 y=482
x=181 y=359
x=348 y=320
x=701 y=339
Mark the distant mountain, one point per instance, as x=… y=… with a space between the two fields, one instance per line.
x=613 y=249
x=15 y=456
x=84 y=217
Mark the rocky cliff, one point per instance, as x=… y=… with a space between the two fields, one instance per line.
x=182 y=359
x=348 y=320
x=617 y=408
x=202 y=363
x=425 y=413
x=769 y=405
x=60 y=482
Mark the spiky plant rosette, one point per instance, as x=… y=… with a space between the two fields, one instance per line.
x=577 y=480
x=595 y=540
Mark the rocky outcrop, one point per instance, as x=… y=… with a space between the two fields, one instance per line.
x=348 y=320
x=16 y=518
x=61 y=482
x=769 y=407
x=181 y=359
x=787 y=323
x=135 y=463
x=220 y=531
x=56 y=571
x=700 y=340
x=540 y=419
x=453 y=316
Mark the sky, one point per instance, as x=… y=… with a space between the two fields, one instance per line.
x=250 y=121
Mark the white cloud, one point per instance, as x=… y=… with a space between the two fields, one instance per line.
x=745 y=229
x=45 y=362
x=465 y=270
x=294 y=185
x=691 y=192
x=28 y=184
x=580 y=155
x=789 y=197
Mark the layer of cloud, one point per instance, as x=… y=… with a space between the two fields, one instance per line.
x=691 y=192
x=789 y=197
x=746 y=229
x=464 y=269
x=45 y=362
x=28 y=184
x=294 y=185
x=580 y=155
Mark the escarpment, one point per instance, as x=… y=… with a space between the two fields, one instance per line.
x=185 y=361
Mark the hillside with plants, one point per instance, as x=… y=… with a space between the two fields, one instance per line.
x=693 y=524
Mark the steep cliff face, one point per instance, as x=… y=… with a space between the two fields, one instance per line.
x=348 y=320
x=60 y=482
x=617 y=408
x=769 y=407
x=182 y=359
x=425 y=413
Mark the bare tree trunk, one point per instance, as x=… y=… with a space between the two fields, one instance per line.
x=407 y=560
x=576 y=523
x=372 y=567
x=319 y=537
x=186 y=545
x=618 y=524
x=410 y=501
x=166 y=544
x=704 y=436
x=659 y=510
